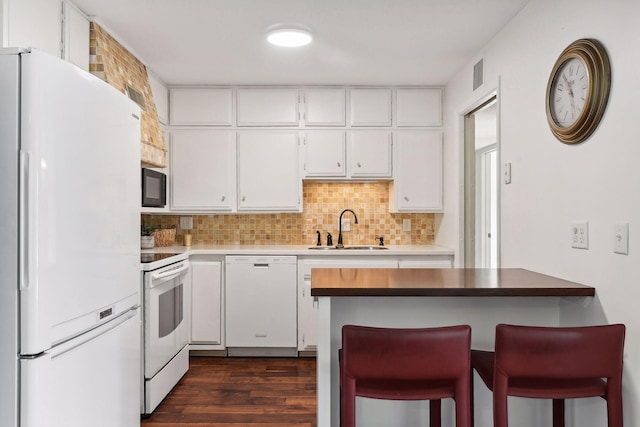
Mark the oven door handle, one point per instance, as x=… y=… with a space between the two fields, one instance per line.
x=167 y=275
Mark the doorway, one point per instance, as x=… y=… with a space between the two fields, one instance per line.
x=481 y=234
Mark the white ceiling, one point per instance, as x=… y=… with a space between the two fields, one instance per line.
x=357 y=42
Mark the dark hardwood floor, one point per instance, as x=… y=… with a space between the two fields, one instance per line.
x=248 y=392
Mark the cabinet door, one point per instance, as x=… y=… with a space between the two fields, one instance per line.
x=419 y=107
x=268 y=107
x=325 y=107
x=76 y=36
x=417 y=186
x=268 y=171
x=370 y=154
x=203 y=168
x=206 y=302
x=324 y=154
x=371 y=107
x=307 y=316
x=193 y=106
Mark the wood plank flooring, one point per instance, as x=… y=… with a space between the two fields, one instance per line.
x=248 y=392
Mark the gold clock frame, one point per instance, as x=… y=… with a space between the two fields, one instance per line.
x=595 y=57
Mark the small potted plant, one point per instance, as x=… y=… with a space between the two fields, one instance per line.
x=146 y=236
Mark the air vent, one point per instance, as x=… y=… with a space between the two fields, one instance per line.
x=478 y=74
x=137 y=97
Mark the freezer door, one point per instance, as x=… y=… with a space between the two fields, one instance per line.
x=93 y=380
x=79 y=201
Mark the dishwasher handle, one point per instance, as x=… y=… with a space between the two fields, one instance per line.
x=260 y=265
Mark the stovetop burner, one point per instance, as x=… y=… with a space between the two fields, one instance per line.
x=152 y=257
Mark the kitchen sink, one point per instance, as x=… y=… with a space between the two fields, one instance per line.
x=365 y=247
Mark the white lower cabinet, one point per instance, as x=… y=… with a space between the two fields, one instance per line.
x=261 y=305
x=307 y=307
x=206 y=303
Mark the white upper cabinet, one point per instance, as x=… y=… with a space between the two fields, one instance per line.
x=160 y=98
x=269 y=171
x=417 y=186
x=203 y=170
x=324 y=154
x=268 y=107
x=370 y=154
x=370 y=107
x=419 y=107
x=325 y=107
x=76 y=36
x=201 y=106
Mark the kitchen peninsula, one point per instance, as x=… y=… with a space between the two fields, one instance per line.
x=397 y=298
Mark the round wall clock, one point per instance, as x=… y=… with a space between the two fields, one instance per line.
x=578 y=90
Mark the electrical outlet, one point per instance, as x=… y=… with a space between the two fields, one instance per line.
x=406 y=225
x=346 y=224
x=186 y=222
x=580 y=234
x=621 y=238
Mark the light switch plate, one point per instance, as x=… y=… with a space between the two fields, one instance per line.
x=580 y=234
x=621 y=238
x=507 y=173
x=346 y=224
x=406 y=224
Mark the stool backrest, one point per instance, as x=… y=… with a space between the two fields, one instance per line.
x=406 y=354
x=553 y=353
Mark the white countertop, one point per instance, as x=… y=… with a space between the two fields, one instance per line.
x=300 y=250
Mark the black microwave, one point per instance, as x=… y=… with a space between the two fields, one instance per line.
x=154 y=189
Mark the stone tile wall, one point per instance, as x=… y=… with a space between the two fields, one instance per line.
x=110 y=61
x=322 y=204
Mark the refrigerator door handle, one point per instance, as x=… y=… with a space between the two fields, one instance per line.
x=24 y=223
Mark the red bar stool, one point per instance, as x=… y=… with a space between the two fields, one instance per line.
x=554 y=363
x=406 y=364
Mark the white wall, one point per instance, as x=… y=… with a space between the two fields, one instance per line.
x=31 y=23
x=553 y=183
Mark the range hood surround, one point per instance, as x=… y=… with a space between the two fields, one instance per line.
x=113 y=63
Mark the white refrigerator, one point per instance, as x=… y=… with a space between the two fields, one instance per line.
x=69 y=247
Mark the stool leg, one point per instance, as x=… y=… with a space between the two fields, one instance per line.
x=558 y=412
x=435 y=413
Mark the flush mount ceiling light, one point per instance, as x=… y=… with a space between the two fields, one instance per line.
x=289 y=35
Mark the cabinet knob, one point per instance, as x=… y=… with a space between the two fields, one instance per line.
x=244 y=198
x=339 y=165
x=359 y=165
x=406 y=198
x=223 y=197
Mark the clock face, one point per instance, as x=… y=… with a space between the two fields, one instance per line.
x=568 y=92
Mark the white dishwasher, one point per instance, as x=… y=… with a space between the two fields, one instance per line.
x=261 y=305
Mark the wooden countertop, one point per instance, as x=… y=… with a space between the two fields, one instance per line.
x=440 y=282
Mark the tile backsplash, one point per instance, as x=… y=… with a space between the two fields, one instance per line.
x=322 y=204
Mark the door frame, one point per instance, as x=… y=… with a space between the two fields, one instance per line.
x=467 y=217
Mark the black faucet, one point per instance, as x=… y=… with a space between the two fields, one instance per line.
x=340 y=245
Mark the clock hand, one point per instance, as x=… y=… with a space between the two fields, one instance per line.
x=568 y=85
x=571 y=97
